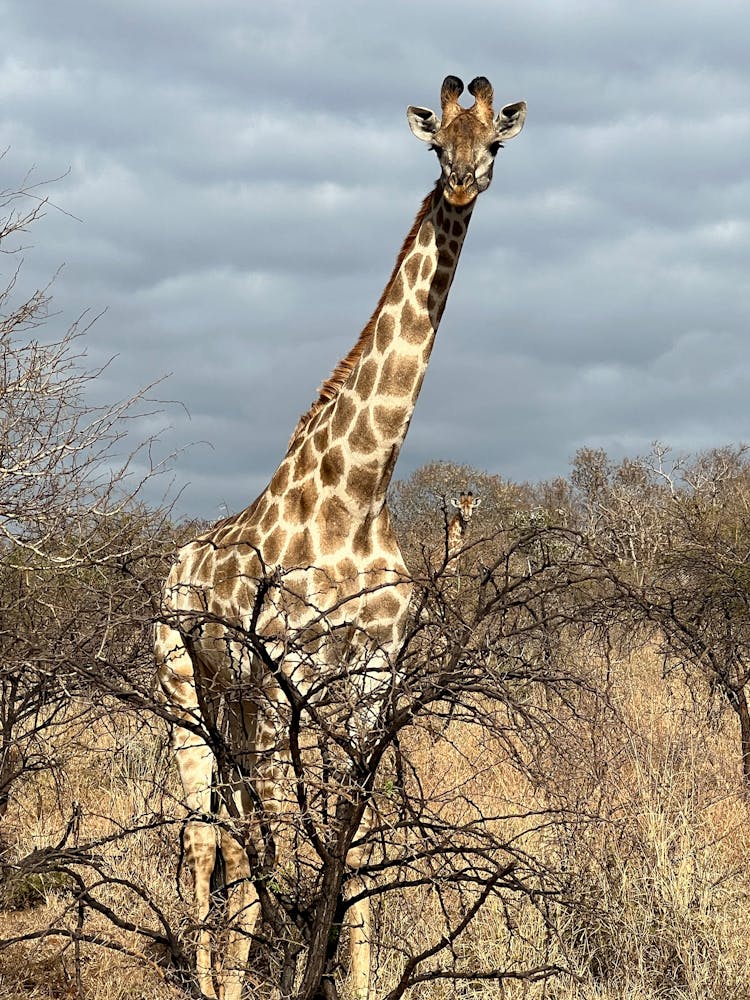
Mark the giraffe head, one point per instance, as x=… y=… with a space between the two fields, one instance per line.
x=466 y=505
x=466 y=140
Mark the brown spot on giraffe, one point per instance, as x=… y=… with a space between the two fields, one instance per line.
x=300 y=550
x=270 y=518
x=203 y=562
x=426 y=235
x=332 y=466
x=227 y=577
x=440 y=282
x=225 y=536
x=388 y=421
x=299 y=503
x=389 y=606
x=306 y=461
x=361 y=483
x=334 y=523
x=344 y=412
x=260 y=506
x=416 y=325
x=272 y=545
x=411 y=269
x=280 y=479
x=396 y=292
x=366 y=377
x=398 y=374
x=363 y=439
x=384 y=331
x=321 y=439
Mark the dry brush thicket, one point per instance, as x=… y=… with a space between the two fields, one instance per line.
x=557 y=777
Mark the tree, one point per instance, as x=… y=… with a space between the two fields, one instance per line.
x=675 y=534
x=81 y=560
x=491 y=668
x=69 y=516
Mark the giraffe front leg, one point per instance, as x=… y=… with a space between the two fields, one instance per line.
x=254 y=742
x=360 y=938
x=374 y=680
x=360 y=913
x=195 y=764
x=243 y=911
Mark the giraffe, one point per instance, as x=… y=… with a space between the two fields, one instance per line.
x=312 y=566
x=465 y=505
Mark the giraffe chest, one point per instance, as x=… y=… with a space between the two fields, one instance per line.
x=293 y=577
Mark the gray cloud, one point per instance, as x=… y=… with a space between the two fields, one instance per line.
x=239 y=182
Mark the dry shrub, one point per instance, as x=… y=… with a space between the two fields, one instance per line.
x=627 y=810
x=659 y=881
x=637 y=816
x=466 y=780
x=642 y=830
x=112 y=782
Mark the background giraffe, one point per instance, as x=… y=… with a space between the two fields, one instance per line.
x=308 y=583
x=465 y=505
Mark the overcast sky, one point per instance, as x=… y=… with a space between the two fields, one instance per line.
x=238 y=178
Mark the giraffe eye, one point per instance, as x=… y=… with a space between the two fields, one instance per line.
x=494 y=147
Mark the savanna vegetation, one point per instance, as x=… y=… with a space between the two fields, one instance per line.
x=559 y=781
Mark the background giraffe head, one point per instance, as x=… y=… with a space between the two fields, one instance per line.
x=466 y=504
x=466 y=140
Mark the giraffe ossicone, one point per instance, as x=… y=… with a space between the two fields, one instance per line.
x=302 y=598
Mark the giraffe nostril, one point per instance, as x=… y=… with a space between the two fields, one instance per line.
x=461 y=178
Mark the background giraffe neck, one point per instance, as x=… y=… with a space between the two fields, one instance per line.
x=456 y=532
x=353 y=433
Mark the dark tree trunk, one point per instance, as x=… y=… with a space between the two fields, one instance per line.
x=743 y=712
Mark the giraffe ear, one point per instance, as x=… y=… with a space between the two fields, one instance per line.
x=510 y=120
x=477 y=501
x=423 y=123
x=455 y=501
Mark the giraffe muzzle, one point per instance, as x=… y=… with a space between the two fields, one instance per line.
x=461 y=188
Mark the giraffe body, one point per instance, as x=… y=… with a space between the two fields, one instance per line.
x=313 y=566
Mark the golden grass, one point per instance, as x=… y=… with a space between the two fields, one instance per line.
x=653 y=858
x=114 y=776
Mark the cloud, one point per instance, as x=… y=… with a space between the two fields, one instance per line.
x=238 y=185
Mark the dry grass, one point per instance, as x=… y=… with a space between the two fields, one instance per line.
x=653 y=857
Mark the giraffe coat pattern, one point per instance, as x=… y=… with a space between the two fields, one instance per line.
x=310 y=575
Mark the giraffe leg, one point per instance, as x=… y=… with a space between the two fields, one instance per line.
x=243 y=910
x=360 y=915
x=253 y=738
x=374 y=682
x=360 y=938
x=195 y=765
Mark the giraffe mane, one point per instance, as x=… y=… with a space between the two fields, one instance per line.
x=333 y=384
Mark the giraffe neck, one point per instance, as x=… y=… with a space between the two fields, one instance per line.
x=456 y=532
x=354 y=432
